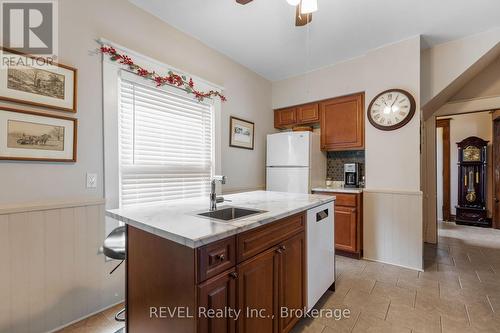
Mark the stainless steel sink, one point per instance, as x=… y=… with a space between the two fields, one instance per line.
x=230 y=213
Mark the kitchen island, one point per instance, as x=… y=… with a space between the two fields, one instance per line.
x=190 y=273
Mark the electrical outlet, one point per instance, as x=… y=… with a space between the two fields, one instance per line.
x=91 y=180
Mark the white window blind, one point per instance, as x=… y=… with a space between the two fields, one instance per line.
x=166 y=145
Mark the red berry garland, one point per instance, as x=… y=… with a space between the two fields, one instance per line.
x=170 y=79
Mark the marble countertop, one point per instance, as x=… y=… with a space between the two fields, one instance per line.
x=338 y=189
x=178 y=222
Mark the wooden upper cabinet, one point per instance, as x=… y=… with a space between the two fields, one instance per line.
x=285 y=117
x=342 y=123
x=308 y=114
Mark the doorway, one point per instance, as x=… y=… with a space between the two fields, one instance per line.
x=449 y=131
x=443 y=169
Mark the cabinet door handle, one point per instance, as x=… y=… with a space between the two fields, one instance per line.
x=221 y=257
x=233 y=275
x=283 y=248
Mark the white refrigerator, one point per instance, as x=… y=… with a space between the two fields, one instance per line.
x=295 y=162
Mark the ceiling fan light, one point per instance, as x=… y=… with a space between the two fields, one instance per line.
x=293 y=2
x=309 y=6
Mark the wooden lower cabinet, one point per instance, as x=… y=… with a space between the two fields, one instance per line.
x=348 y=223
x=163 y=274
x=292 y=280
x=217 y=294
x=258 y=293
x=345 y=228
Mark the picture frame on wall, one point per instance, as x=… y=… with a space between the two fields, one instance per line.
x=241 y=133
x=33 y=136
x=30 y=80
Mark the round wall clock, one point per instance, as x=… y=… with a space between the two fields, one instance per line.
x=391 y=109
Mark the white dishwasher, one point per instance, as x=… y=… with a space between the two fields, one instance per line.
x=320 y=252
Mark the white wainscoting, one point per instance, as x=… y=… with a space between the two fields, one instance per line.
x=393 y=227
x=51 y=271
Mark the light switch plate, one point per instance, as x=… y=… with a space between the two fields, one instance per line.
x=91 y=180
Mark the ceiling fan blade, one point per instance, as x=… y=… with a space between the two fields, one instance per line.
x=243 y=2
x=302 y=19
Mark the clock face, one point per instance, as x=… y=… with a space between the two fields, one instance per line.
x=391 y=109
x=472 y=154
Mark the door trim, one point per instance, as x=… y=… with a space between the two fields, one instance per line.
x=495 y=219
x=445 y=124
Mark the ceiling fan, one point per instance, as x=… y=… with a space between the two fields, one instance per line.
x=303 y=12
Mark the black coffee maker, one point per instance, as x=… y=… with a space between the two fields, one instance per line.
x=351 y=175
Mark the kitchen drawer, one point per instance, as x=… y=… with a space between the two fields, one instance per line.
x=216 y=257
x=343 y=199
x=347 y=200
x=253 y=242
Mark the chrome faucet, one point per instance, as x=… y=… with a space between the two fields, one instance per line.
x=214 y=199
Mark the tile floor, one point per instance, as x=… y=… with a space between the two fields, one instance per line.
x=458 y=292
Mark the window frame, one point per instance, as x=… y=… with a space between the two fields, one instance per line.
x=111 y=76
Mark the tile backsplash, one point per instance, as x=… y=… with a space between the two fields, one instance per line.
x=337 y=159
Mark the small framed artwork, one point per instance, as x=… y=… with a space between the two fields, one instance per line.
x=241 y=133
x=30 y=80
x=33 y=136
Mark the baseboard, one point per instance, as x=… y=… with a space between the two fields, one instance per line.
x=393 y=264
x=348 y=254
x=85 y=317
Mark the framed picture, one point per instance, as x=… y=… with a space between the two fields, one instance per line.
x=30 y=80
x=32 y=136
x=241 y=133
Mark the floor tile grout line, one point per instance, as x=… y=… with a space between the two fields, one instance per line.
x=468 y=315
x=460 y=282
x=355 y=322
x=489 y=302
x=478 y=277
x=387 y=312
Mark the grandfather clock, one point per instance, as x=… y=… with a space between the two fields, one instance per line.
x=471 y=209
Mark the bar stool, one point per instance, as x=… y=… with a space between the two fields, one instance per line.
x=114 y=248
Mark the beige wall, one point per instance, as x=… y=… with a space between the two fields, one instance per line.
x=445 y=63
x=80 y=23
x=485 y=84
x=392 y=158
